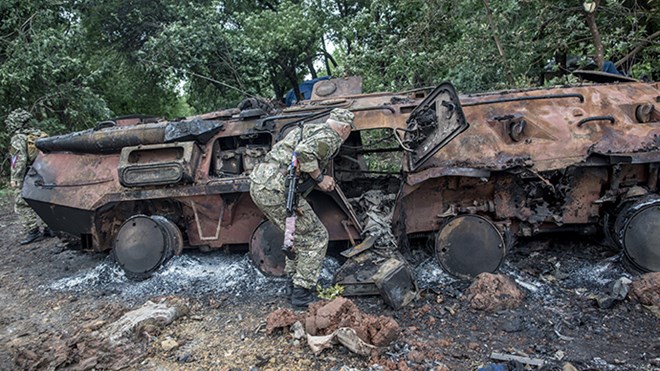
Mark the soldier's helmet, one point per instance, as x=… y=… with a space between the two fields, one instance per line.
x=343 y=115
x=17 y=120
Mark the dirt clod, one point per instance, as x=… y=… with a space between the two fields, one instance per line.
x=280 y=318
x=323 y=318
x=493 y=292
x=646 y=289
x=417 y=356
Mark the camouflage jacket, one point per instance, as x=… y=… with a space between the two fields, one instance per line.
x=23 y=152
x=319 y=145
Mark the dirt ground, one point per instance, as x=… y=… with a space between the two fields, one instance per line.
x=54 y=300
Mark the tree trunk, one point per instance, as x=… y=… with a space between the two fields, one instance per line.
x=277 y=88
x=500 y=49
x=325 y=57
x=310 y=66
x=290 y=75
x=595 y=36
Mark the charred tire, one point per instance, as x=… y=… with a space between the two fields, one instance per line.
x=266 y=249
x=468 y=245
x=637 y=231
x=144 y=243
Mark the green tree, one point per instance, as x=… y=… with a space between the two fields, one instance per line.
x=42 y=67
x=285 y=39
x=115 y=34
x=203 y=49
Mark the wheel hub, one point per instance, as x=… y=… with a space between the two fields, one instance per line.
x=468 y=245
x=266 y=249
x=640 y=234
x=144 y=243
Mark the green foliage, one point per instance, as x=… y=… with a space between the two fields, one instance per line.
x=283 y=40
x=329 y=293
x=404 y=43
x=42 y=66
x=202 y=49
x=381 y=161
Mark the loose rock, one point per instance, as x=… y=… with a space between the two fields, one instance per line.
x=168 y=344
x=298 y=330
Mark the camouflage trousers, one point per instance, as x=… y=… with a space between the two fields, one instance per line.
x=310 y=240
x=29 y=219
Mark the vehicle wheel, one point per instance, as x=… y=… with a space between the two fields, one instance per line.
x=266 y=249
x=467 y=245
x=609 y=225
x=144 y=243
x=637 y=231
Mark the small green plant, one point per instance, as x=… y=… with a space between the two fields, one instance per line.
x=329 y=293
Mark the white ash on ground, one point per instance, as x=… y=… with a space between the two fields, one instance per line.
x=429 y=274
x=540 y=272
x=193 y=273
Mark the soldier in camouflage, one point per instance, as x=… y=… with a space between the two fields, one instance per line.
x=23 y=152
x=319 y=144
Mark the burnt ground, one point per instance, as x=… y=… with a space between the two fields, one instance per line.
x=53 y=296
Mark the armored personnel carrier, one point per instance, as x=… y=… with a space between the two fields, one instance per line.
x=468 y=172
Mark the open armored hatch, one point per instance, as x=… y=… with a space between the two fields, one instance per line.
x=433 y=124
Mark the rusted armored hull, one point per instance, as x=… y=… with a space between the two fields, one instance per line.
x=536 y=161
x=500 y=165
x=551 y=141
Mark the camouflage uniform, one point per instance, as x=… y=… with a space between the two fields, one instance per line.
x=319 y=145
x=23 y=152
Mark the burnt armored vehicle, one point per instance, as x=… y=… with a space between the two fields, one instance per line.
x=470 y=172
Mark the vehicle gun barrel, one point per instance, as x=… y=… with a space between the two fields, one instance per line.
x=113 y=139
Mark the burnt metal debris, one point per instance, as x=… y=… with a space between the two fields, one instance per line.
x=468 y=173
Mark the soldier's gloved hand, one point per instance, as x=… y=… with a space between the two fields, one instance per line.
x=327 y=184
x=13 y=183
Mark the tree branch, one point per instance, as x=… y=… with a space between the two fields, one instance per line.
x=637 y=49
x=595 y=35
x=493 y=27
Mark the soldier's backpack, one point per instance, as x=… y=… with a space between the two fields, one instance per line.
x=32 y=137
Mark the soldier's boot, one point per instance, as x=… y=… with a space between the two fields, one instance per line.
x=32 y=236
x=49 y=232
x=288 y=289
x=302 y=297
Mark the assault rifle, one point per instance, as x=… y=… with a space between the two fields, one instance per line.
x=291 y=184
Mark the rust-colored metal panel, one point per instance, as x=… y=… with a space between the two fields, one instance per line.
x=585 y=190
x=552 y=138
x=326 y=89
